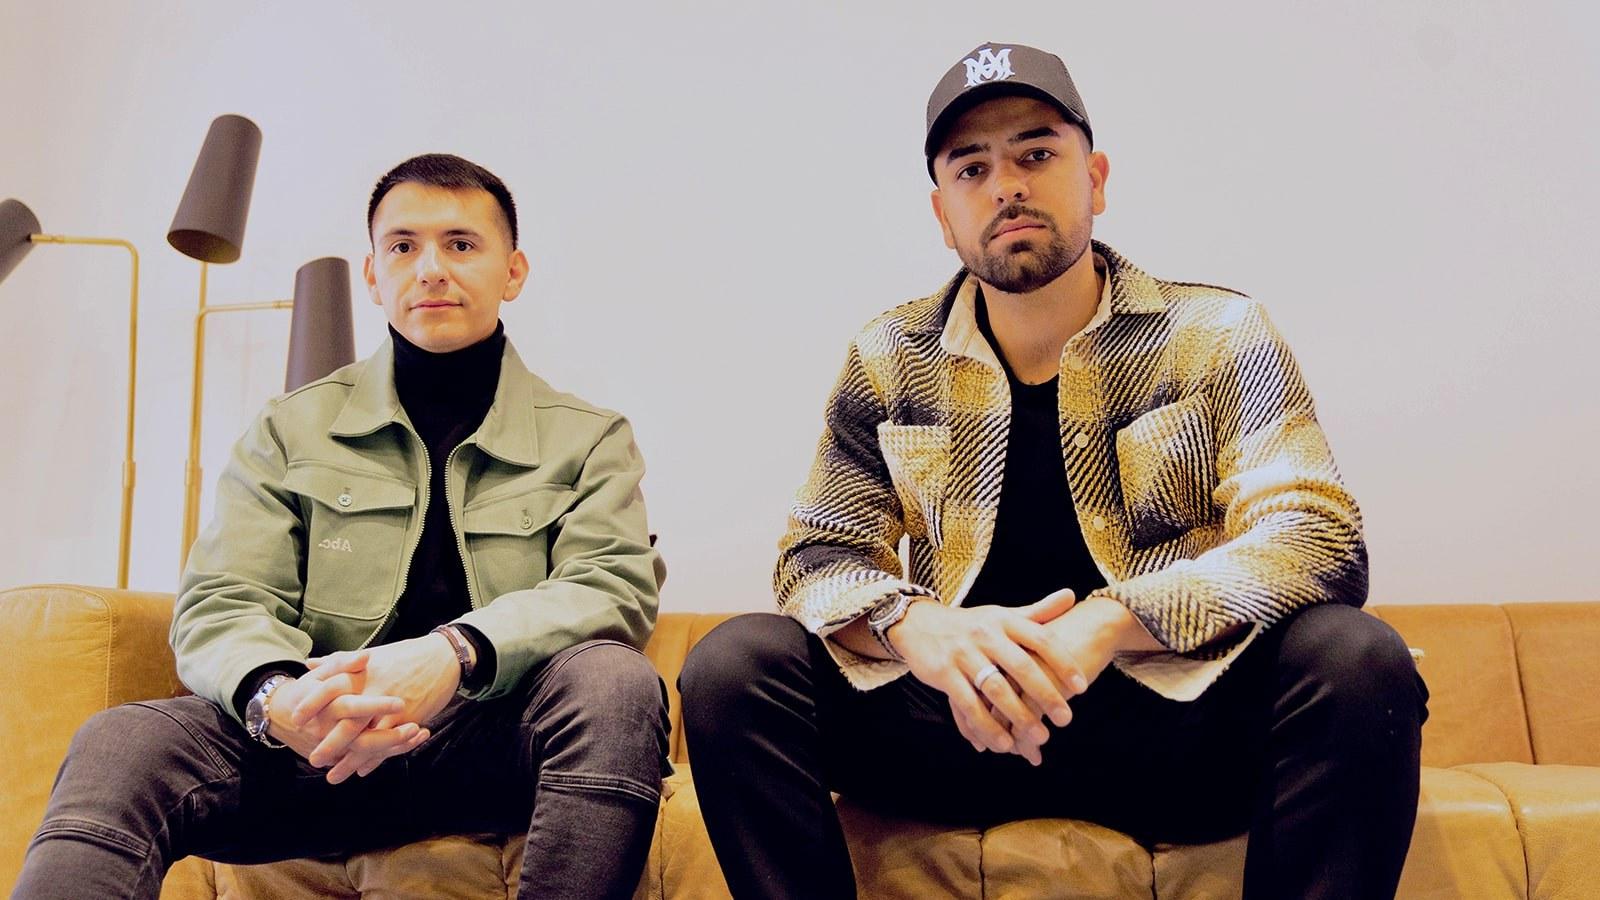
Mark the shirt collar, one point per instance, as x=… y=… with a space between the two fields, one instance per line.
x=507 y=433
x=963 y=337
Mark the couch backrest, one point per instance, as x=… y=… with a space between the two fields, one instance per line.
x=1512 y=683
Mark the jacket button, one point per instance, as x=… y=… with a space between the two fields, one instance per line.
x=344 y=500
x=1080 y=441
x=1099 y=523
x=1075 y=364
x=527 y=522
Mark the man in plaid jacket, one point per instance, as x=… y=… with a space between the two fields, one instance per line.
x=1134 y=571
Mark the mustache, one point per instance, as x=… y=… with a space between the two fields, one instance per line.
x=1016 y=211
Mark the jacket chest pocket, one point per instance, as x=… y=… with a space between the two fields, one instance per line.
x=356 y=525
x=509 y=537
x=1167 y=460
x=918 y=459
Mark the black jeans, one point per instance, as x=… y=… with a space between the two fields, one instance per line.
x=574 y=758
x=1310 y=742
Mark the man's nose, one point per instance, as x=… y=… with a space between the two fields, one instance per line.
x=429 y=267
x=1009 y=185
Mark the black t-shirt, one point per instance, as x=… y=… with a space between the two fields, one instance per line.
x=1038 y=546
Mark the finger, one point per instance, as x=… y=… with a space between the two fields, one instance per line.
x=1029 y=738
x=1022 y=676
x=981 y=723
x=1008 y=708
x=336 y=742
x=318 y=696
x=376 y=759
x=1039 y=641
x=393 y=720
x=963 y=727
x=343 y=661
x=1050 y=607
x=363 y=706
x=384 y=742
x=342 y=770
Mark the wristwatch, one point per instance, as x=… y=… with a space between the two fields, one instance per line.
x=887 y=613
x=255 y=712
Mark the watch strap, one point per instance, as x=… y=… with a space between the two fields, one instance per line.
x=263 y=697
x=458 y=644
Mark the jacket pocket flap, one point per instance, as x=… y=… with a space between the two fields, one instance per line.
x=524 y=514
x=348 y=492
x=1166 y=460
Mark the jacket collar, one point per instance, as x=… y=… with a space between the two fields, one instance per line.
x=508 y=432
x=1133 y=292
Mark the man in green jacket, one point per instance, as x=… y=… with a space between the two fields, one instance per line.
x=417 y=610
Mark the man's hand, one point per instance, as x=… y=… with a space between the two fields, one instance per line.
x=946 y=647
x=332 y=692
x=422 y=673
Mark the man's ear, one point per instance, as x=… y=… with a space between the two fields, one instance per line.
x=371 y=278
x=1099 y=171
x=938 y=213
x=516 y=277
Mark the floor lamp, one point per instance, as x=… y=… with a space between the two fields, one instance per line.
x=209 y=226
x=19 y=231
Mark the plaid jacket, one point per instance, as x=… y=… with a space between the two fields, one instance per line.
x=1203 y=484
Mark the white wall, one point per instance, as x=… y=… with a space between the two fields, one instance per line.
x=716 y=195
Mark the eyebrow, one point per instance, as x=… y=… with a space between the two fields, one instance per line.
x=1029 y=135
x=410 y=233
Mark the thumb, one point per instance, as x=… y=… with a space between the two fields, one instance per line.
x=1051 y=606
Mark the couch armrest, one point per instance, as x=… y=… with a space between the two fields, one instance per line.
x=68 y=652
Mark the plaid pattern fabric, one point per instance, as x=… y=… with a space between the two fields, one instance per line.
x=1204 y=486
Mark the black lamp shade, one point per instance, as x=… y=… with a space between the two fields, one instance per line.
x=321 y=338
x=210 y=222
x=17 y=225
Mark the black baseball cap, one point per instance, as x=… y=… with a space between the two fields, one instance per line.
x=998 y=70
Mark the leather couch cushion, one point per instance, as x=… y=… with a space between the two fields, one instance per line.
x=58 y=642
x=1475 y=713
x=1465 y=843
x=1557 y=810
x=1558 y=655
x=1200 y=871
x=1045 y=859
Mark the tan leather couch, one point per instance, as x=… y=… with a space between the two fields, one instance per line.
x=1510 y=803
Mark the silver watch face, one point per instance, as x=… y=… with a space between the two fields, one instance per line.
x=255 y=717
x=887 y=612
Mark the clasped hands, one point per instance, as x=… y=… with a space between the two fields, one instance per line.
x=355 y=709
x=1046 y=653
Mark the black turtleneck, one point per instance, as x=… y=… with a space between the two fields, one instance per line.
x=446 y=396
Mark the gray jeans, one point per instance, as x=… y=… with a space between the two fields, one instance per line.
x=574 y=758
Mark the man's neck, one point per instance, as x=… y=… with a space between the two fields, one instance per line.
x=1033 y=328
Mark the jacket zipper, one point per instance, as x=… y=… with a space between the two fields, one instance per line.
x=455 y=529
x=422 y=517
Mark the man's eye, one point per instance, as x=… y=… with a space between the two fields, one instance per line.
x=971 y=171
x=460 y=246
x=401 y=247
x=1039 y=155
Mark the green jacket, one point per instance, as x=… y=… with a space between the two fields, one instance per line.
x=322 y=505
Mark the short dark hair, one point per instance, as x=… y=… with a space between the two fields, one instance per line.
x=445 y=171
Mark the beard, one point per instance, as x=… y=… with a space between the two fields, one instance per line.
x=1026 y=265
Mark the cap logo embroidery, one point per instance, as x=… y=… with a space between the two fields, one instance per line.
x=989 y=66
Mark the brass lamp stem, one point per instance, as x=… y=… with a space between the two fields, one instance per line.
x=125 y=532
x=191 y=471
